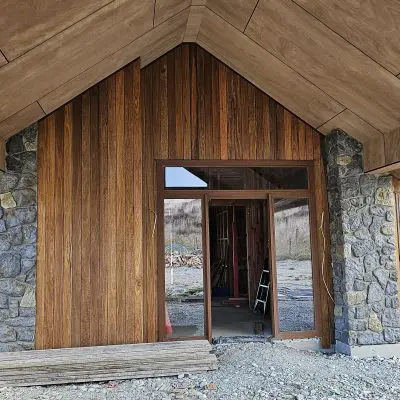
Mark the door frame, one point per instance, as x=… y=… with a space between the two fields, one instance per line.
x=277 y=334
x=206 y=195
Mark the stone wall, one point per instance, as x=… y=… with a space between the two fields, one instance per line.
x=18 y=242
x=362 y=223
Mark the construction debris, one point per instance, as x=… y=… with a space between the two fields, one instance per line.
x=183 y=260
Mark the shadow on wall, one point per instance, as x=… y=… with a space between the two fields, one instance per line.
x=18 y=234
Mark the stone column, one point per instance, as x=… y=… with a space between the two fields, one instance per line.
x=18 y=242
x=362 y=227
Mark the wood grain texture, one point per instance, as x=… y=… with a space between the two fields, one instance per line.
x=185 y=105
x=90 y=229
x=193 y=24
x=386 y=169
x=20 y=120
x=149 y=47
x=104 y=363
x=3 y=60
x=374 y=153
x=266 y=71
x=229 y=119
x=373 y=26
x=3 y=154
x=352 y=125
x=84 y=44
x=392 y=146
x=165 y=9
x=306 y=56
x=237 y=13
x=26 y=24
x=332 y=64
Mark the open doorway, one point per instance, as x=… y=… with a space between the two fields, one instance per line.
x=236 y=251
x=239 y=268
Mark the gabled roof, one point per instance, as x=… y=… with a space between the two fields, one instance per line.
x=333 y=63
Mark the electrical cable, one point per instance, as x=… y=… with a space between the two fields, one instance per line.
x=323 y=256
x=155 y=223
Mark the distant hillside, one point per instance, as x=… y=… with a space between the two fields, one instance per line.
x=292 y=233
x=183 y=225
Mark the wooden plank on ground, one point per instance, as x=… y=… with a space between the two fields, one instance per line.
x=100 y=363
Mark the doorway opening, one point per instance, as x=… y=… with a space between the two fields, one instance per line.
x=239 y=268
x=236 y=251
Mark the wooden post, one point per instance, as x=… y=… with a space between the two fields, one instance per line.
x=2 y=154
x=235 y=258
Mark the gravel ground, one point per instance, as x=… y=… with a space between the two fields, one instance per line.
x=185 y=279
x=248 y=371
x=296 y=315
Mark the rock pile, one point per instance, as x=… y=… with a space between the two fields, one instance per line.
x=184 y=260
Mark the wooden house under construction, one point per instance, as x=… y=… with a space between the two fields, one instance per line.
x=205 y=169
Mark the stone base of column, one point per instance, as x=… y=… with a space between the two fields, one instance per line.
x=368 y=351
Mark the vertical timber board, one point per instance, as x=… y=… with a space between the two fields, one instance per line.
x=120 y=207
x=40 y=335
x=134 y=287
x=102 y=322
x=110 y=199
x=77 y=245
x=67 y=231
x=50 y=233
x=90 y=287
x=96 y=297
x=229 y=119
x=86 y=222
x=153 y=139
x=100 y=254
x=59 y=223
x=323 y=246
x=129 y=193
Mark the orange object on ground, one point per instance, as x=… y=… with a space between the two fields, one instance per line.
x=168 y=326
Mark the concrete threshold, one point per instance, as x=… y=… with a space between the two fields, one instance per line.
x=313 y=344
x=369 y=351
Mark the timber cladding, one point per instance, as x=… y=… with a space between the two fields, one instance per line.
x=97 y=195
x=90 y=270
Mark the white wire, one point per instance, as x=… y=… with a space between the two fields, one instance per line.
x=155 y=223
x=323 y=256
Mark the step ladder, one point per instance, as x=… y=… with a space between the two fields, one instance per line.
x=263 y=290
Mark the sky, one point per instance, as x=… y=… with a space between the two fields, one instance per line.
x=181 y=177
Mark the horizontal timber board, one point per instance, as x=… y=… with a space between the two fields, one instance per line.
x=165 y=9
x=102 y=363
x=328 y=61
x=20 y=120
x=373 y=26
x=72 y=51
x=27 y=24
x=142 y=363
x=148 y=47
x=120 y=375
x=352 y=124
x=237 y=15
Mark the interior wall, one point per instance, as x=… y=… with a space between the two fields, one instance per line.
x=97 y=210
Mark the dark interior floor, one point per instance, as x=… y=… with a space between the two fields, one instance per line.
x=231 y=321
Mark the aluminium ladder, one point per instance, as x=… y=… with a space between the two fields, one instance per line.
x=263 y=290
